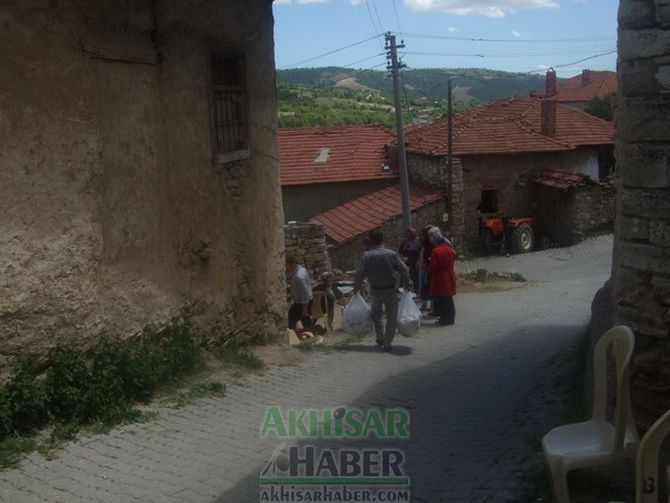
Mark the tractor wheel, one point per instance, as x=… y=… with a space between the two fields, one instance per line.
x=522 y=239
x=487 y=241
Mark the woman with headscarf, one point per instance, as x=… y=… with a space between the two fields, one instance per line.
x=442 y=279
x=424 y=273
x=410 y=250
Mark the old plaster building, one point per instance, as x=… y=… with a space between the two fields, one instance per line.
x=137 y=149
x=641 y=268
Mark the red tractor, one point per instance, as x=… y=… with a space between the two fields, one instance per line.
x=515 y=235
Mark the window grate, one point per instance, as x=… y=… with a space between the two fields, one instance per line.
x=230 y=103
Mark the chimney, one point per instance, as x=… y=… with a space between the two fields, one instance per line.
x=550 y=83
x=586 y=77
x=548 y=118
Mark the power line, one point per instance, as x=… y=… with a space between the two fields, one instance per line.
x=498 y=55
x=379 y=20
x=586 y=59
x=364 y=59
x=374 y=27
x=397 y=19
x=510 y=40
x=292 y=65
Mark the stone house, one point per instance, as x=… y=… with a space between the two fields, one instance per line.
x=572 y=205
x=578 y=91
x=641 y=268
x=323 y=167
x=137 y=149
x=346 y=225
x=499 y=149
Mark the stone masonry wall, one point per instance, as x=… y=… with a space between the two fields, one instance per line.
x=593 y=208
x=345 y=256
x=433 y=171
x=108 y=187
x=641 y=268
x=307 y=243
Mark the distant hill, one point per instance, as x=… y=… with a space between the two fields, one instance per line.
x=333 y=96
x=469 y=83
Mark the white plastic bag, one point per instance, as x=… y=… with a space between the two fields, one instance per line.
x=409 y=316
x=357 y=316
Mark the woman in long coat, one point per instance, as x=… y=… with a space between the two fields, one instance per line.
x=443 y=280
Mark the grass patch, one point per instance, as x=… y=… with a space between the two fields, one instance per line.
x=180 y=398
x=99 y=388
x=13 y=448
x=236 y=355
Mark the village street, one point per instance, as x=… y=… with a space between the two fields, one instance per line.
x=480 y=394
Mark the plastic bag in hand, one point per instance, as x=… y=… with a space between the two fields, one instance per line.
x=409 y=316
x=357 y=316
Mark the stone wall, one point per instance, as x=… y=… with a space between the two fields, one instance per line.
x=512 y=177
x=108 y=188
x=594 y=206
x=345 y=256
x=433 y=171
x=641 y=269
x=307 y=243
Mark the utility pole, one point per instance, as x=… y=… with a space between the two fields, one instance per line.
x=394 y=67
x=450 y=164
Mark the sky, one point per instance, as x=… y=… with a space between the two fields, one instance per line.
x=527 y=35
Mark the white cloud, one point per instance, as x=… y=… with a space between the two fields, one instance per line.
x=488 y=8
x=516 y=34
x=306 y=2
x=451 y=29
x=282 y=2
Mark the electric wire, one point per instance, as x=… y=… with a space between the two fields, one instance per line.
x=510 y=40
x=334 y=51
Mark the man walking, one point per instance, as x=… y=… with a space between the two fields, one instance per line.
x=301 y=294
x=381 y=265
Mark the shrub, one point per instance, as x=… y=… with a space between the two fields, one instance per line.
x=24 y=398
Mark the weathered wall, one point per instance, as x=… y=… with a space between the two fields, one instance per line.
x=346 y=256
x=434 y=171
x=569 y=215
x=594 y=207
x=302 y=202
x=307 y=243
x=641 y=269
x=512 y=176
x=108 y=189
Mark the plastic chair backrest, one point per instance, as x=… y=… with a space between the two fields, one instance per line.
x=319 y=304
x=622 y=341
x=646 y=468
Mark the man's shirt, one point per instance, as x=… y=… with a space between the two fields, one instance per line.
x=380 y=265
x=301 y=286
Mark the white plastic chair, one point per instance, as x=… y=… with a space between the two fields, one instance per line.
x=596 y=441
x=647 y=476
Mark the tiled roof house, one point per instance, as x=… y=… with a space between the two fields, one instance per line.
x=323 y=167
x=579 y=90
x=345 y=178
x=500 y=147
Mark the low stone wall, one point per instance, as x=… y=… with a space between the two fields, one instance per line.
x=593 y=208
x=307 y=243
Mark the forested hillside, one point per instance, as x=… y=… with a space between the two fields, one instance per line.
x=337 y=96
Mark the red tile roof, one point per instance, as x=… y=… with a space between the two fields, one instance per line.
x=599 y=83
x=368 y=212
x=333 y=154
x=561 y=179
x=510 y=126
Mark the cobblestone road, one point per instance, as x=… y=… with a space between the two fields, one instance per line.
x=480 y=393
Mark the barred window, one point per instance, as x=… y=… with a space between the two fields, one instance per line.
x=230 y=105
